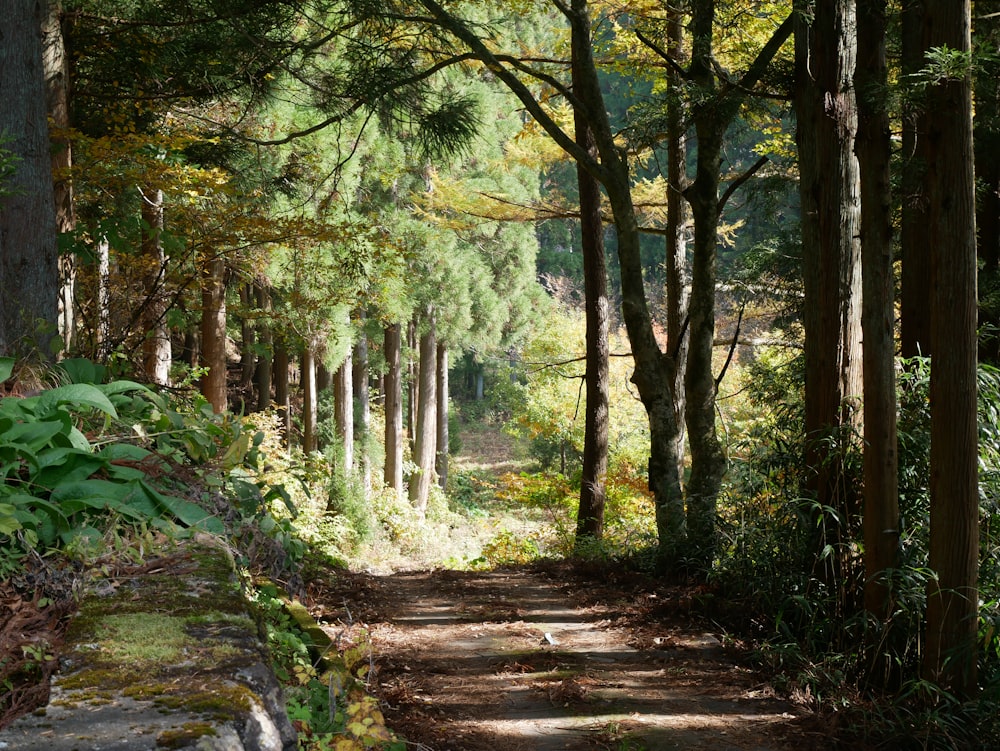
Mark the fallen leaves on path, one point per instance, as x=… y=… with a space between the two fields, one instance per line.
x=551 y=657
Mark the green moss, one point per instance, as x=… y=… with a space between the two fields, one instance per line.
x=184 y=736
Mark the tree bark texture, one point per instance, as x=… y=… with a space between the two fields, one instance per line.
x=953 y=596
x=881 y=491
x=393 y=384
x=29 y=274
x=590 y=514
x=362 y=401
x=156 y=351
x=708 y=463
x=825 y=52
x=248 y=355
x=441 y=455
x=425 y=436
x=915 y=278
x=675 y=263
x=57 y=88
x=213 y=332
x=343 y=409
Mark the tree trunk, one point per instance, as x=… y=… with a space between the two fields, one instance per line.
x=915 y=290
x=953 y=595
x=986 y=136
x=393 y=409
x=248 y=355
x=309 y=401
x=590 y=514
x=708 y=463
x=827 y=123
x=411 y=380
x=343 y=410
x=424 y=448
x=263 y=374
x=881 y=493
x=156 y=353
x=103 y=298
x=57 y=87
x=213 y=332
x=29 y=274
x=280 y=378
x=441 y=458
x=362 y=400
x=675 y=263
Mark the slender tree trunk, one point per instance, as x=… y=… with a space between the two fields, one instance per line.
x=708 y=463
x=362 y=399
x=103 y=298
x=248 y=355
x=309 y=401
x=263 y=374
x=881 y=492
x=441 y=458
x=213 y=332
x=424 y=448
x=29 y=275
x=915 y=290
x=343 y=408
x=411 y=380
x=280 y=378
x=393 y=409
x=953 y=595
x=590 y=514
x=57 y=87
x=827 y=123
x=675 y=263
x=156 y=352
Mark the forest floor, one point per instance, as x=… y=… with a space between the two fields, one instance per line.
x=553 y=655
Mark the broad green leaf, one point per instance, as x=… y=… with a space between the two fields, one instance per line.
x=125 y=498
x=188 y=513
x=77 y=394
x=66 y=465
x=6 y=367
x=32 y=437
x=82 y=370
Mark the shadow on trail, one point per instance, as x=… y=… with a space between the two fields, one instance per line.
x=513 y=660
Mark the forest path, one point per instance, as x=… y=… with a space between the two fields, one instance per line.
x=548 y=657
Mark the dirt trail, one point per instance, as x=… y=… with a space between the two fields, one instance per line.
x=539 y=659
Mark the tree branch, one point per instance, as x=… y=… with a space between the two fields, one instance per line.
x=735 y=184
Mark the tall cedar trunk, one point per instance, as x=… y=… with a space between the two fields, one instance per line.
x=411 y=380
x=393 y=385
x=279 y=375
x=825 y=52
x=262 y=376
x=426 y=430
x=441 y=455
x=343 y=410
x=708 y=463
x=675 y=263
x=915 y=247
x=590 y=515
x=362 y=401
x=213 y=332
x=156 y=353
x=952 y=602
x=248 y=355
x=881 y=493
x=57 y=88
x=309 y=400
x=29 y=275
